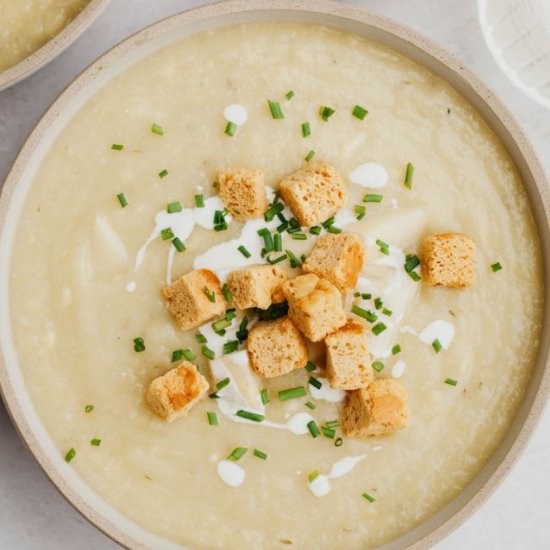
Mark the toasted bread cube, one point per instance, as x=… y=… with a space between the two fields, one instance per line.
x=174 y=393
x=338 y=259
x=315 y=306
x=314 y=193
x=195 y=298
x=378 y=409
x=276 y=348
x=448 y=259
x=256 y=286
x=243 y=192
x=348 y=358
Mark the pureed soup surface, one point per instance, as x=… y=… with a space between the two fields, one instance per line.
x=78 y=301
x=26 y=25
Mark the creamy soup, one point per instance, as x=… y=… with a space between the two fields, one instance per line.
x=26 y=25
x=87 y=275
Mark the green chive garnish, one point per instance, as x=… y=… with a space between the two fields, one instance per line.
x=386 y=311
x=275 y=108
x=139 y=344
x=177 y=355
x=201 y=339
x=268 y=239
x=264 y=394
x=412 y=261
x=378 y=366
x=189 y=354
x=409 y=175
x=276 y=260
x=212 y=418
x=173 y=207
x=313 y=429
x=242 y=333
x=368 y=497
x=237 y=453
x=310 y=405
x=384 y=247
x=292 y=393
x=117 y=146
x=327 y=223
x=230 y=347
x=226 y=293
x=332 y=424
x=273 y=210
x=95 y=442
x=379 y=328
x=436 y=345
x=396 y=349
x=220 y=325
x=294 y=261
x=166 y=234
x=326 y=112
x=315 y=230
x=199 y=201
x=89 y=408
x=310 y=367
x=378 y=303
x=277 y=242
x=230 y=129
x=309 y=156
x=207 y=352
x=328 y=432
x=289 y=95
x=220 y=223
x=339 y=442
x=122 y=200
x=313 y=476
x=209 y=294
x=373 y=198
x=250 y=416
x=315 y=383
x=366 y=296
x=451 y=382
x=163 y=173
x=360 y=210
x=306 y=130
x=359 y=112
x=413 y=275
x=496 y=267
x=71 y=453
x=370 y=316
x=222 y=383
x=334 y=229
x=260 y=454
x=299 y=236
x=242 y=249
x=157 y=129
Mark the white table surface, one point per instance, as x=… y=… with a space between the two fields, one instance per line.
x=33 y=515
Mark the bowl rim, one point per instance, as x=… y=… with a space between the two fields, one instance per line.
x=495 y=114
x=53 y=47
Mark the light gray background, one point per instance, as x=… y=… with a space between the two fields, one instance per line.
x=33 y=515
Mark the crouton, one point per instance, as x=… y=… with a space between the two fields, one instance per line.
x=195 y=298
x=243 y=193
x=378 y=409
x=315 y=306
x=314 y=193
x=348 y=359
x=448 y=260
x=174 y=393
x=256 y=286
x=338 y=259
x=276 y=348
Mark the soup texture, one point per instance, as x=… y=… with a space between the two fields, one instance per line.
x=26 y=25
x=84 y=287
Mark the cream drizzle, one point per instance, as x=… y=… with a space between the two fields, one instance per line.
x=370 y=174
x=231 y=473
x=436 y=330
x=326 y=392
x=235 y=113
x=320 y=486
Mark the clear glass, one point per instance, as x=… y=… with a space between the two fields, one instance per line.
x=517 y=33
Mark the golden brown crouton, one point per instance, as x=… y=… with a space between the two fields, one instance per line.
x=338 y=259
x=314 y=193
x=174 y=393
x=448 y=259
x=276 y=348
x=243 y=192
x=256 y=286
x=378 y=409
x=195 y=298
x=315 y=306
x=348 y=359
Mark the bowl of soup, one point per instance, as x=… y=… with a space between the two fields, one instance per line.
x=275 y=274
x=33 y=32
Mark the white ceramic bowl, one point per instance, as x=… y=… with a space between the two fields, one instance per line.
x=234 y=11
x=53 y=47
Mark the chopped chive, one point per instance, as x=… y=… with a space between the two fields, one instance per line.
x=157 y=129
x=294 y=261
x=242 y=333
x=384 y=247
x=139 y=344
x=414 y=275
x=326 y=112
x=339 y=442
x=387 y=312
x=89 y=408
x=366 y=296
x=223 y=382
x=250 y=416
x=167 y=234
x=327 y=223
x=243 y=250
x=313 y=429
x=293 y=229
x=436 y=345
x=315 y=230
x=310 y=367
x=71 y=453
x=207 y=352
x=273 y=210
x=177 y=355
x=310 y=155
x=412 y=261
x=230 y=347
x=117 y=146
x=496 y=267
x=277 y=242
x=396 y=349
x=332 y=424
x=209 y=294
x=237 y=453
x=359 y=112
x=282 y=227
x=378 y=366
x=333 y=229
x=292 y=393
x=275 y=108
x=357 y=294
x=299 y=236
x=268 y=239
x=201 y=339
x=360 y=210
x=230 y=129
x=315 y=383
x=368 y=497
x=264 y=394
x=277 y=260
x=310 y=405
x=373 y=198
x=370 y=316
x=451 y=382
x=379 y=328
x=409 y=175
x=378 y=303
x=312 y=476
x=199 y=201
x=226 y=293
x=289 y=95
x=260 y=454
x=230 y=314
x=163 y=173
x=95 y=442
x=122 y=200
x=220 y=223
x=173 y=207
x=212 y=418
x=221 y=324
x=189 y=354
x=328 y=432
x=306 y=130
